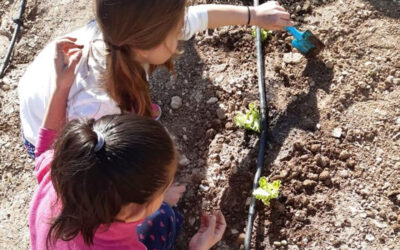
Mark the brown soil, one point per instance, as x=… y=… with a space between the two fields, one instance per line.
x=338 y=192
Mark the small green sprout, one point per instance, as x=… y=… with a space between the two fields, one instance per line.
x=267 y=191
x=264 y=34
x=250 y=120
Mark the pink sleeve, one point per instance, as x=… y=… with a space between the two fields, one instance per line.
x=45 y=140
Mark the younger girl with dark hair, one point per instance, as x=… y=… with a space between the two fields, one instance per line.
x=107 y=184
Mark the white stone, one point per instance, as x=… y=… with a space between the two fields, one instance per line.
x=204 y=188
x=176 y=102
x=369 y=237
x=184 y=161
x=337 y=132
x=212 y=100
x=292 y=58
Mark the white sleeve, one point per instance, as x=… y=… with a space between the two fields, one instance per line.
x=196 y=20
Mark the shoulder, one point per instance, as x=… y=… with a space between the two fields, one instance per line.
x=43 y=165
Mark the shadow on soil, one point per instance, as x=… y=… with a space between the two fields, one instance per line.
x=301 y=113
x=388 y=8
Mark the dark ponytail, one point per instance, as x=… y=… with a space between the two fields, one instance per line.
x=134 y=164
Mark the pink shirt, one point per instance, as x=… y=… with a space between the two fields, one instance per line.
x=119 y=235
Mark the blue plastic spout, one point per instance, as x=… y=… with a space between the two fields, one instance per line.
x=294 y=32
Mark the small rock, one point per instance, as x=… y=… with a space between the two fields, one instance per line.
x=5 y=87
x=389 y=79
x=344 y=155
x=329 y=64
x=343 y=174
x=309 y=183
x=284 y=242
x=292 y=58
x=315 y=148
x=396 y=81
x=210 y=133
x=369 y=237
x=192 y=221
x=324 y=175
x=351 y=164
x=204 y=188
x=337 y=132
x=277 y=243
x=396 y=227
x=241 y=238
x=234 y=231
x=220 y=68
x=219 y=79
x=322 y=161
x=212 y=100
x=229 y=126
x=248 y=201
x=176 y=102
x=184 y=162
x=398 y=121
x=221 y=114
x=298 y=145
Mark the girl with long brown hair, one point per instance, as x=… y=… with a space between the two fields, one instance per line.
x=107 y=184
x=121 y=48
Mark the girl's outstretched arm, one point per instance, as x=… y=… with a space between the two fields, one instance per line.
x=269 y=15
x=66 y=58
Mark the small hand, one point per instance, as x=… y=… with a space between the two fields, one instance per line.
x=174 y=194
x=212 y=228
x=271 y=16
x=67 y=56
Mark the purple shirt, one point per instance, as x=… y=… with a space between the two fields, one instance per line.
x=44 y=207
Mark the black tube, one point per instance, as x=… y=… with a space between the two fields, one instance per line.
x=18 y=22
x=264 y=128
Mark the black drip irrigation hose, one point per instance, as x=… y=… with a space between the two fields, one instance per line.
x=18 y=22
x=264 y=128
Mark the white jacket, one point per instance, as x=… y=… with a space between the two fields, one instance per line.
x=87 y=98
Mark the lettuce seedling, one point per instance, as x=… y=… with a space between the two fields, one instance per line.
x=264 y=34
x=267 y=191
x=250 y=120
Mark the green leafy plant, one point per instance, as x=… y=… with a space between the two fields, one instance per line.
x=264 y=34
x=267 y=191
x=250 y=120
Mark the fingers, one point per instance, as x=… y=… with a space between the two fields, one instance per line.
x=220 y=226
x=66 y=43
x=204 y=221
x=212 y=220
x=74 y=60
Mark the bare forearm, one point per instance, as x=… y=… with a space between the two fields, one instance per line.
x=56 y=110
x=269 y=15
x=223 y=15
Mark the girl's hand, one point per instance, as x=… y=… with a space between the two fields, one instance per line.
x=67 y=56
x=174 y=194
x=212 y=228
x=270 y=16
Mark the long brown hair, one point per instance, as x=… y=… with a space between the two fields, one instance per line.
x=140 y=24
x=135 y=163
